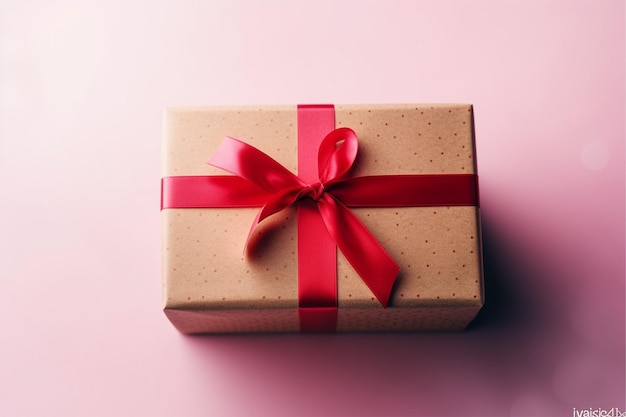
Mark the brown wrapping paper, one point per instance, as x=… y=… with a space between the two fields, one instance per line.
x=210 y=285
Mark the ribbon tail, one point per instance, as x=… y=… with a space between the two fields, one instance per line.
x=366 y=255
x=274 y=204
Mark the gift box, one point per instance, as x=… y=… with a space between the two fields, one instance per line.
x=320 y=218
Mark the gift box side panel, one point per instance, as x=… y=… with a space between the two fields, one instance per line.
x=423 y=319
x=234 y=321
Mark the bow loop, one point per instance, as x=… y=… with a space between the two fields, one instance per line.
x=337 y=153
x=248 y=162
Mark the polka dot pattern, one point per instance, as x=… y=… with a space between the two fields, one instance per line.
x=433 y=139
x=438 y=254
x=211 y=286
x=193 y=134
x=205 y=266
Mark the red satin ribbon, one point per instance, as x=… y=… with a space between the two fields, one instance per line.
x=317 y=252
x=371 y=191
x=337 y=153
x=323 y=194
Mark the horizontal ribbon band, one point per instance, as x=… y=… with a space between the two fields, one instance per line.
x=370 y=191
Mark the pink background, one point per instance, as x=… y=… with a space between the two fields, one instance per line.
x=82 y=88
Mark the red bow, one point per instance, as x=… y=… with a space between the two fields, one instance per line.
x=337 y=153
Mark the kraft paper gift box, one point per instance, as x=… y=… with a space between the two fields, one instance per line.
x=213 y=284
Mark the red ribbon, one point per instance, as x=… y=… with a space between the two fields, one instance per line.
x=323 y=200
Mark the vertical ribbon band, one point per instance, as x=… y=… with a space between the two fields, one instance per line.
x=317 y=253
